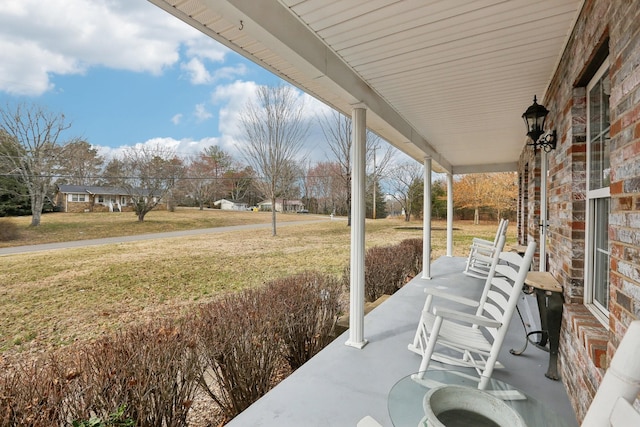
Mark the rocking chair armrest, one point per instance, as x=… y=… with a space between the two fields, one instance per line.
x=448 y=296
x=482 y=242
x=466 y=317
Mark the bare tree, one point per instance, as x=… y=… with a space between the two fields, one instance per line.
x=114 y=173
x=199 y=181
x=336 y=128
x=80 y=164
x=151 y=173
x=239 y=181
x=31 y=148
x=218 y=163
x=405 y=183
x=275 y=129
x=325 y=183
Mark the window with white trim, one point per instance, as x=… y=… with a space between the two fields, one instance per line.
x=78 y=198
x=598 y=195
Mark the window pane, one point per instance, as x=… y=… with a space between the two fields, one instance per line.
x=601 y=252
x=594 y=112
x=599 y=133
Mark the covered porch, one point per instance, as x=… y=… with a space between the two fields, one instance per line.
x=446 y=82
x=342 y=384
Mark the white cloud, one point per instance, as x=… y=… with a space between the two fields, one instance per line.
x=182 y=148
x=176 y=119
x=201 y=113
x=70 y=36
x=199 y=75
x=233 y=97
x=206 y=48
x=196 y=71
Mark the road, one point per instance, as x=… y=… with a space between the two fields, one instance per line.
x=135 y=238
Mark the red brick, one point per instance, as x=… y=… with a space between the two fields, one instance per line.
x=616 y=187
x=615 y=128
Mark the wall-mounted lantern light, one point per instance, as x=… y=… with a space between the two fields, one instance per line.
x=534 y=118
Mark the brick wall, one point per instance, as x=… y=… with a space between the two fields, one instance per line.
x=624 y=230
x=586 y=345
x=78 y=207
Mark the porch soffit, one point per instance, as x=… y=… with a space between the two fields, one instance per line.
x=447 y=79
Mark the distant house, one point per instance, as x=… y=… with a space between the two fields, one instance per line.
x=282 y=205
x=231 y=205
x=87 y=198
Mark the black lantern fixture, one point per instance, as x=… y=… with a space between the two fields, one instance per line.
x=534 y=118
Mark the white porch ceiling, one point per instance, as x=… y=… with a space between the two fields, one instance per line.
x=448 y=79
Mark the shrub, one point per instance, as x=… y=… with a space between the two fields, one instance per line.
x=152 y=369
x=8 y=230
x=306 y=307
x=34 y=392
x=239 y=346
x=115 y=420
x=415 y=246
x=386 y=269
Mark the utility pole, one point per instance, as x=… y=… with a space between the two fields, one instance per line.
x=374 y=183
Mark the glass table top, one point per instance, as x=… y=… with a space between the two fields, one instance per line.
x=405 y=400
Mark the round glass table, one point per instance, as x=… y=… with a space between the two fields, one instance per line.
x=405 y=400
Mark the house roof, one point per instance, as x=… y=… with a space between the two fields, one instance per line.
x=444 y=79
x=235 y=202
x=94 y=189
x=289 y=201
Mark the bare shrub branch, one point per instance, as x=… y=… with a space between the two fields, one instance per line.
x=307 y=306
x=238 y=344
x=151 y=369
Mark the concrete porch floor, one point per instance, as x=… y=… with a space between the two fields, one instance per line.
x=341 y=384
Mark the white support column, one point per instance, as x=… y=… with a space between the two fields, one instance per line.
x=358 y=210
x=426 y=229
x=449 y=214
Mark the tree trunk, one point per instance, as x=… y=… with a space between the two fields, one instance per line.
x=37 y=200
x=476 y=216
x=273 y=216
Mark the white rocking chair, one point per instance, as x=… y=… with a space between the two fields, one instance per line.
x=481 y=253
x=419 y=343
x=462 y=333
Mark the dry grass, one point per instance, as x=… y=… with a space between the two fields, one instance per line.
x=57 y=297
x=64 y=227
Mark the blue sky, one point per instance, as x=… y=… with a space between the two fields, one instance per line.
x=125 y=72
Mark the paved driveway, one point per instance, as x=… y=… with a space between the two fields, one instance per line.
x=123 y=239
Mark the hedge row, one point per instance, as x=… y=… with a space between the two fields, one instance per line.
x=388 y=268
x=230 y=348
x=8 y=230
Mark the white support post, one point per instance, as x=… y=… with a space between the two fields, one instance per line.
x=450 y=214
x=426 y=229
x=358 y=210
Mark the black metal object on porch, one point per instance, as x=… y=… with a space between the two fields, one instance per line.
x=534 y=119
x=550 y=303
